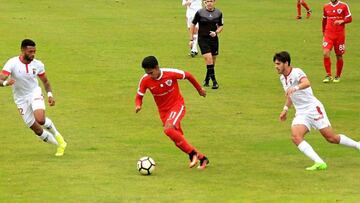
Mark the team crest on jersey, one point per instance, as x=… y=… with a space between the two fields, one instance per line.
x=34 y=71
x=168 y=82
x=339 y=11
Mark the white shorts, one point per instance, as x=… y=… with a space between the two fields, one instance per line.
x=28 y=105
x=315 y=118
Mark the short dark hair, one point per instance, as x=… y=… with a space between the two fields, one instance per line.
x=27 y=42
x=149 y=62
x=283 y=56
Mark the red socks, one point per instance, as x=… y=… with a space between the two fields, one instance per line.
x=339 y=67
x=305 y=5
x=298 y=6
x=327 y=65
x=179 y=140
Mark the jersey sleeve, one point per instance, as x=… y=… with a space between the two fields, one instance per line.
x=300 y=75
x=142 y=86
x=347 y=12
x=41 y=69
x=177 y=74
x=8 y=68
x=221 y=20
x=196 y=18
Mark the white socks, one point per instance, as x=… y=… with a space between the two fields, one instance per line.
x=344 y=140
x=195 y=42
x=305 y=148
x=48 y=137
x=50 y=126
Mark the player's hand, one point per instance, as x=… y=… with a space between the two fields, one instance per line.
x=339 y=22
x=51 y=101
x=10 y=82
x=290 y=91
x=137 y=109
x=212 y=34
x=202 y=92
x=283 y=115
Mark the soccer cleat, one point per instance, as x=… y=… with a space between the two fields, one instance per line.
x=317 y=166
x=62 y=145
x=308 y=13
x=206 y=83
x=193 y=159
x=327 y=79
x=298 y=17
x=215 y=86
x=203 y=163
x=193 y=54
x=336 y=79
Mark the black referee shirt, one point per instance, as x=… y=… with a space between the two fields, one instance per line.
x=208 y=21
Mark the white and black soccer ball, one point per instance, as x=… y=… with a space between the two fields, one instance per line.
x=146 y=165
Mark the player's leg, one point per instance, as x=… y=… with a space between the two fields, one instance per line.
x=342 y=139
x=44 y=135
x=194 y=49
x=300 y=127
x=339 y=47
x=298 y=8
x=38 y=107
x=214 y=45
x=327 y=46
x=206 y=53
x=306 y=6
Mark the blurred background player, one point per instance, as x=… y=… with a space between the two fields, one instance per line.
x=310 y=112
x=305 y=5
x=163 y=85
x=21 y=73
x=336 y=15
x=211 y=24
x=192 y=6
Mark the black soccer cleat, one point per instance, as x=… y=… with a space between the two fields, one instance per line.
x=206 y=83
x=215 y=86
x=193 y=159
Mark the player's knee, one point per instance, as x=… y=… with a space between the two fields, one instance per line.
x=41 y=121
x=296 y=139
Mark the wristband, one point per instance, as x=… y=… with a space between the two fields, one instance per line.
x=49 y=94
x=286 y=108
x=297 y=87
x=5 y=83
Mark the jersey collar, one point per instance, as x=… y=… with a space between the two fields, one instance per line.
x=161 y=74
x=333 y=5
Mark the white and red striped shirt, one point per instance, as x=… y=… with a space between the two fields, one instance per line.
x=25 y=75
x=303 y=100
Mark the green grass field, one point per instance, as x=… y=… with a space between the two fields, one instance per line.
x=92 y=51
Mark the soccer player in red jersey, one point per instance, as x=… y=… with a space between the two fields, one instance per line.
x=163 y=85
x=336 y=15
x=305 y=5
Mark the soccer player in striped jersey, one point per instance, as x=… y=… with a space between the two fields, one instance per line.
x=163 y=85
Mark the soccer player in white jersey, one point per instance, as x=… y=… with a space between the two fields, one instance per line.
x=310 y=113
x=21 y=73
x=192 y=6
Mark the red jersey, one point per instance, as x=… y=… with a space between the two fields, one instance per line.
x=165 y=89
x=339 y=11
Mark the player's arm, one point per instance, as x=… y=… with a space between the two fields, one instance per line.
x=220 y=27
x=139 y=95
x=283 y=114
x=195 y=83
x=192 y=28
x=303 y=84
x=324 y=21
x=48 y=89
x=186 y=3
x=4 y=81
x=347 y=17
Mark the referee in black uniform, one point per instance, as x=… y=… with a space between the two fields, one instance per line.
x=210 y=25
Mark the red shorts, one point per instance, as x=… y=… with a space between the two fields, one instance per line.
x=336 y=41
x=174 y=115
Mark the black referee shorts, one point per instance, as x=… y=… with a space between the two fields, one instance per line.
x=209 y=45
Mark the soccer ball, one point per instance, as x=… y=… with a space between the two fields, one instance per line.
x=146 y=165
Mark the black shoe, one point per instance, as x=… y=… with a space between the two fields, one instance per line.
x=203 y=163
x=206 y=83
x=215 y=86
x=193 y=54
